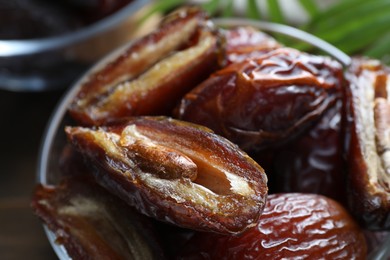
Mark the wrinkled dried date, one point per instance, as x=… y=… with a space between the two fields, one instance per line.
x=368 y=142
x=246 y=42
x=93 y=224
x=267 y=100
x=176 y=172
x=292 y=226
x=153 y=73
x=313 y=162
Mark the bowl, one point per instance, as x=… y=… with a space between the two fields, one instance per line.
x=40 y=57
x=48 y=170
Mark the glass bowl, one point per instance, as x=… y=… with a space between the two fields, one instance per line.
x=48 y=171
x=54 y=62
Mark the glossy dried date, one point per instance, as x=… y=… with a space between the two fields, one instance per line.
x=313 y=162
x=247 y=42
x=153 y=73
x=368 y=142
x=267 y=100
x=292 y=226
x=176 y=171
x=93 y=224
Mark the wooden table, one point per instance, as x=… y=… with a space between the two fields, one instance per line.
x=23 y=120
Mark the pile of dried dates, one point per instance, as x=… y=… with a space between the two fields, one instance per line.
x=201 y=142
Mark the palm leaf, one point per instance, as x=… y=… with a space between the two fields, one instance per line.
x=160 y=6
x=211 y=6
x=354 y=26
x=310 y=6
x=252 y=10
x=380 y=49
x=275 y=11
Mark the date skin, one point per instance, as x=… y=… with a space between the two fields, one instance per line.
x=367 y=142
x=292 y=226
x=313 y=162
x=176 y=172
x=264 y=101
x=94 y=224
x=153 y=73
x=246 y=42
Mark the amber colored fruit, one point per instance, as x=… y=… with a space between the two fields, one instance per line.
x=292 y=226
x=93 y=224
x=368 y=142
x=246 y=42
x=153 y=73
x=311 y=163
x=176 y=172
x=267 y=100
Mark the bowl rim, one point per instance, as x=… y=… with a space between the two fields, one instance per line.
x=59 y=113
x=10 y=48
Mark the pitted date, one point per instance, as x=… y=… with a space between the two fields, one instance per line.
x=151 y=76
x=176 y=171
x=368 y=142
x=292 y=226
x=266 y=100
x=91 y=223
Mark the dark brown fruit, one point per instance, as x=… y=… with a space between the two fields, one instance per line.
x=313 y=162
x=177 y=172
x=247 y=42
x=93 y=224
x=267 y=100
x=153 y=73
x=368 y=142
x=292 y=226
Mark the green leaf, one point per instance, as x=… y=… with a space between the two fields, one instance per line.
x=228 y=10
x=380 y=48
x=310 y=7
x=252 y=10
x=364 y=35
x=351 y=15
x=211 y=6
x=160 y=6
x=357 y=29
x=275 y=12
x=327 y=15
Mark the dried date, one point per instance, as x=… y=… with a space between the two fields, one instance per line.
x=292 y=226
x=313 y=162
x=176 y=171
x=91 y=223
x=266 y=100
x=368 y=142
x=153 y=73
x=247 y=42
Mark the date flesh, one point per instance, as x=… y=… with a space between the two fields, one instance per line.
x=93 y=224
x=292 y=226
x=267 y=100
x=368 y=142
x=153 y=73
x=176 y=172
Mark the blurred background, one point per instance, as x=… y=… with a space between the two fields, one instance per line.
x=45 y=46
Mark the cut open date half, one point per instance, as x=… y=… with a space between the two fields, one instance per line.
x=211 y=140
